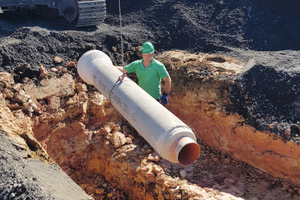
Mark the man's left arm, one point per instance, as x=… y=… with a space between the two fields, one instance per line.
x=167 y=84
x=164 y=97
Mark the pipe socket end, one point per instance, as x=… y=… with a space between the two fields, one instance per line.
x=185 y=150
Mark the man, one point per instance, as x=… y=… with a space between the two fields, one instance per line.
x=149 y=72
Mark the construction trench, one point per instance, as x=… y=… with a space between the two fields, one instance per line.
x=63 y=120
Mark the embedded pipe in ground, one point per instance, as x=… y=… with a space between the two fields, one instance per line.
x=167 y=134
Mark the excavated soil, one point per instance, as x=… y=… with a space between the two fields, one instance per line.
x=79 y=129
x=231 y=83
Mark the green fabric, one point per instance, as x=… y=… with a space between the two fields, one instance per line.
x=149 y=78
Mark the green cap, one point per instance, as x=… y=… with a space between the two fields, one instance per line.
x=147 y=48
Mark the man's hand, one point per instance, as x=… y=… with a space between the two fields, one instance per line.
x=164 y=98
x=122 y=77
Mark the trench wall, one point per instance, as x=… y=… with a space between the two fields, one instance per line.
x=203 y=110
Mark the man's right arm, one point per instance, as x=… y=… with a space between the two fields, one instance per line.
x=122 y=69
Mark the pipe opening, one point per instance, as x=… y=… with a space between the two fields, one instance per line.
x=188 y=154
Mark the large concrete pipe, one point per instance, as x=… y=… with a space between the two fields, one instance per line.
x=167 y=134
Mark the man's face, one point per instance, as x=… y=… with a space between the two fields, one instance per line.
x=147 y=57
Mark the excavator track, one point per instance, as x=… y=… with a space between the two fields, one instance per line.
x=80 y=12
x=91 y=12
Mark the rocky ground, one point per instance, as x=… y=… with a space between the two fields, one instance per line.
x=262 y=34
x=76 y=127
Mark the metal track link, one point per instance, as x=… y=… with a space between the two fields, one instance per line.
x=91 y=12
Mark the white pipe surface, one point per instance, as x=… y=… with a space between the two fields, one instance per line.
x=167 y=134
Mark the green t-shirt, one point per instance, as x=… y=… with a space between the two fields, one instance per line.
x=149 y=78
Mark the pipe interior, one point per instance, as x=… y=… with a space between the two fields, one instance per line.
x=188 y=154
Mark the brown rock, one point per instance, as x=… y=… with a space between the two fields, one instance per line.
x=58 y=59
x=83 y=97
x=154 y=157
x=53 y=69
x=53 y=102
x=7 y=79
x=108 y=127
x=8 y=93
x=46 y=118
x=81 y=87
x=17 y=87
x=59 y=115
x=71 y=63
x=150 y=176
x=96 y=107
x=128 y=140
x=118 y=139
x=78 y=108
x=158 y=170
x=43 y=71
x=61 y=87
x=20 y=98
x=27 y=107
x=64 y=70
x=171 y=183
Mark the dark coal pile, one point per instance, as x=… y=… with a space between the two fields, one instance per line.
x=267 y=94
x=266 y=31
